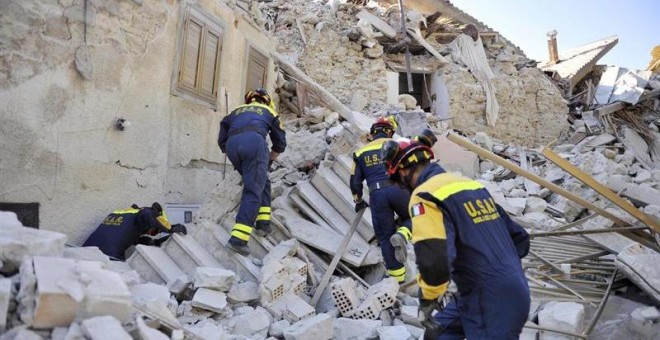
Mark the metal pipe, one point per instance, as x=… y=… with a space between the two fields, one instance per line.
x=585 y=232
x=601 y=306
x=554 y=266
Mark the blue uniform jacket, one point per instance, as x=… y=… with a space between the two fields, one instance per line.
x=459 y=229
x=253 y=117
x=367 y=165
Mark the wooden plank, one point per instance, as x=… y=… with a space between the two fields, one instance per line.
x=553 y=187
x=428 y=47
x=601 y=189
x=378 y=23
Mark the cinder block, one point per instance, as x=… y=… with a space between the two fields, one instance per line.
x=295 y=265
x=344 y=294
x=296 y=308
x=214 y=278
x=209 y=299
x=298 y=284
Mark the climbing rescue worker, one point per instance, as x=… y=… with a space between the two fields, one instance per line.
x=243 y=139
x=127 y=227
x=385 y=198
x=460 y=233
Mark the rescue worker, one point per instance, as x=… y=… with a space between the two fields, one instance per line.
x=386 y=199
x=124 y=228
x=243 y=139
x=460 y=233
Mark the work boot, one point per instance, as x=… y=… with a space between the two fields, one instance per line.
x=238 y=246
x=263 y=228
x=399 y=243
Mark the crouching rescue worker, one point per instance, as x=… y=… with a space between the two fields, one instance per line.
x=460 y=233
x=385 y=198
x=127 y=227
x=243 y=139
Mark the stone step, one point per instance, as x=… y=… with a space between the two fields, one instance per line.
x=188 y=254
x=154 y=265
x=213 y=238
x=339 y=196
x=342 y=167
x=318 y=202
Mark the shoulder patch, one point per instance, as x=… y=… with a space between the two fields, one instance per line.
x=417 y=210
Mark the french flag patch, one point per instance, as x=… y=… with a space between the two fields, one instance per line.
x=416 y=210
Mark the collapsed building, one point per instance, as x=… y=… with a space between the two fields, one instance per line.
x=109 y=101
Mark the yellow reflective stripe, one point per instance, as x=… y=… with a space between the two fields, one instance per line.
x=263 y=217
x=164 y=222
x=431 y=292
x=240 y=235
x=452 y=188
x=242 y=227
x=353 y=167
x=405 y=232
x=264 y=210
x=126 y=211
x=397 y=272
x=375 y=145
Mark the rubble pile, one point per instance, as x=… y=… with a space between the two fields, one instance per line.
x=592 y=225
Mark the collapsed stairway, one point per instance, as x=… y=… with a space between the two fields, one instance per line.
x=319 y=213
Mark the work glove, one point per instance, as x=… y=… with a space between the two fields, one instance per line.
x=432 y=328
x=180 y=228
x=361 y=204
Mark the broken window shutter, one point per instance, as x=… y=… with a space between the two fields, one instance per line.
x=188 y=74
x=210 y=65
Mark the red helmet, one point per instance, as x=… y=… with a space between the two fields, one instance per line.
x=258 y=95
x=403 y=153
x=384 y=124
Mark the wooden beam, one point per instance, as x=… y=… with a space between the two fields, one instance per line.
x=518 y=170
x=601 y=189
x=428 y=47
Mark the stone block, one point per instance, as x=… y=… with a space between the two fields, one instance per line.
x=85 y=254
x=345 y=328
x=454 y=158
x=148 y=333
x=282 y=250
x=154 y=265
x=214 y=278
x=535 y=204
x=208 y=330
x=318 y=327
x=516 y=206
x=66 y=288
x=254 y=323
x=9 y=219
x=104 y=328
x=243 y=292
x=209 y=299
x=188 y=314
x=393 y=333
x=640 y=264
x=566 y=316
x=188 y=254
x=5 y=297
x=277 y=328
x=644 y=322
x=18 y=243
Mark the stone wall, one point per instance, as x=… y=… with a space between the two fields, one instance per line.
x=59 y=144
x=532 y=110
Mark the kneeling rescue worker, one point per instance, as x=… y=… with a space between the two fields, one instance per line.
x=124 y=228
x=243 y=139
x=386 y=198
x=460 y=233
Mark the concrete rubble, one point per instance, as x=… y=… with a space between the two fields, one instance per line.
x=194 y=287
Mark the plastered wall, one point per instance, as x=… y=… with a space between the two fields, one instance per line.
x=59 y=144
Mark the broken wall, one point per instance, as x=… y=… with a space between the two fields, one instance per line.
x=60 y=147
